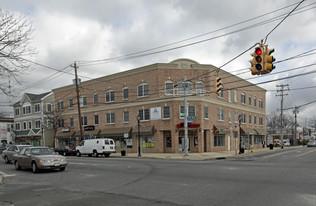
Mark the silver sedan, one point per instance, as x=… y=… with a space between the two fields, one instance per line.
x=7 y=154
x=39 y=158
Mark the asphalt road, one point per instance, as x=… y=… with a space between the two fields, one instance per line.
x=284 y=177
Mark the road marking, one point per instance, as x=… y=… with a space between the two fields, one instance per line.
x=6 y=175
x=276 y=154
x=306 y=153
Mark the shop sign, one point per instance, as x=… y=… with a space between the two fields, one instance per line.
x=89 y=128
x=190 y=125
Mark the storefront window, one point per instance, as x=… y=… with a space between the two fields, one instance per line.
x=219 y=140
x=148 y=142
x=168 y=139
x=258 y=139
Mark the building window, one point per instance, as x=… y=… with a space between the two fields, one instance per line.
x=84 y=121
x=17 y=111
x=26 y=109
x=37 y=107
x=144 y=114
x=96 y=119
x=83 y=101
x=187 y=85
x=200 y=88
x=125 y=93
x=205 y=112
x=250 y=100
x=30 y=125
x=37 y=124
x=243 y=118
x=191 y=111
x=48 y=107
x=260 y=121
x=169 y=88
x=60 y=122
x=243 y=98
x=260 y=104
x=221 y=94
x=143 y=90
x=219 y=140
x=235 y=96
x=220 y=114
x=95 y=99
x=236 y=117
x=250 y=119
x=166 y=112
x=109 y=96
x=60 y=105
x=71 y=103
x=110 y=118
x=229 y=117
x=24 y=126
x=125 y=116
x=229 y=96
x=255 y=120
x=71 y=121
x=255 y=101
x=17 y=126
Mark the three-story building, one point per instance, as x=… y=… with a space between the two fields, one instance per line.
x=149 y=102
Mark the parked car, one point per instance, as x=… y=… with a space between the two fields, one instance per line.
x=38 y=158
x=65 y=150
x=95 y=147
x=3 y=147
x=7 y=154
x=311 y=143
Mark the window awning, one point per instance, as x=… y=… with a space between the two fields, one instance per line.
x=63 y=135
x=116 y=132
x=246 y=131
x=144 y=130
x=23 y=133
x=89 y=134
x=260 y=131
x=219 y=129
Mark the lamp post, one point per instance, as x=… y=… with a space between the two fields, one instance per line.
x=138 y=120
x=239 y=121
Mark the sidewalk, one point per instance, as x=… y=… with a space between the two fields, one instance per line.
x=198 y=156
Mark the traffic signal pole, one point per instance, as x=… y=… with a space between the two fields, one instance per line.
x=186 y=142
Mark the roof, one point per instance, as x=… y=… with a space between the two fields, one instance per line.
x=34 y=97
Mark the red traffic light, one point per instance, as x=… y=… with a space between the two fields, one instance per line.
x=258 y=51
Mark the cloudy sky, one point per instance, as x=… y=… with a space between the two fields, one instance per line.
x=209 y=32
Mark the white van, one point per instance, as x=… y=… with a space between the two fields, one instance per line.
x=94 y=147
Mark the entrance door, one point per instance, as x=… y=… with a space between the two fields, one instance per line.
x=228 y=143
x=205 y=140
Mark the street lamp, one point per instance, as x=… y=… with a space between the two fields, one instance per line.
x=138 y=120
x=239 y=121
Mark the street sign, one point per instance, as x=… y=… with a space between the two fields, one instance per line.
x=191 y=117
x=182 y=114
x=190 y=121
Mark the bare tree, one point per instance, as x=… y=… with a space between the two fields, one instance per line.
x=274 y=121
x=15 y=46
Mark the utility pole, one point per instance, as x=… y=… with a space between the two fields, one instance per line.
x=78 y=102
x=295 y=115
x=282 y=94
x=186 y=142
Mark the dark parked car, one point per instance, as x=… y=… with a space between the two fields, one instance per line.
x=38 y=158
x=311 y=143
x=65 y=150
x=7 y=154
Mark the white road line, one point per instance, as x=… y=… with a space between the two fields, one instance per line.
x=276 y=154
x=6 y=175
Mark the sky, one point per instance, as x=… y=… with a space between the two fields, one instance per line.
x=209 y=32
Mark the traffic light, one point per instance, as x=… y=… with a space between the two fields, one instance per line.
x=268 y=60
x=257 y=61
x=218 y=85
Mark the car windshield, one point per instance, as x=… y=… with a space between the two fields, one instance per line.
x=42 y=151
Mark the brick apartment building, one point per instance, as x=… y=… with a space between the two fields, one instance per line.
x=110 y=106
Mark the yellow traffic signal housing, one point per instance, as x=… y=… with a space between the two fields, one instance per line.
x=257 y=63
x=268 y=67
x=218 y=85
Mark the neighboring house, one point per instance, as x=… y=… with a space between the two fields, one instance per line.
x=6 y=126
x=31 y=122
x=111 y=104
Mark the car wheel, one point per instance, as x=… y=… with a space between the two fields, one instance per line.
x=107 y=155
x=62 y=168
x=17 y=166
x=35 y=168
x=6 y=159
x=64 y=153
x=78 y=154
x=95 y=153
